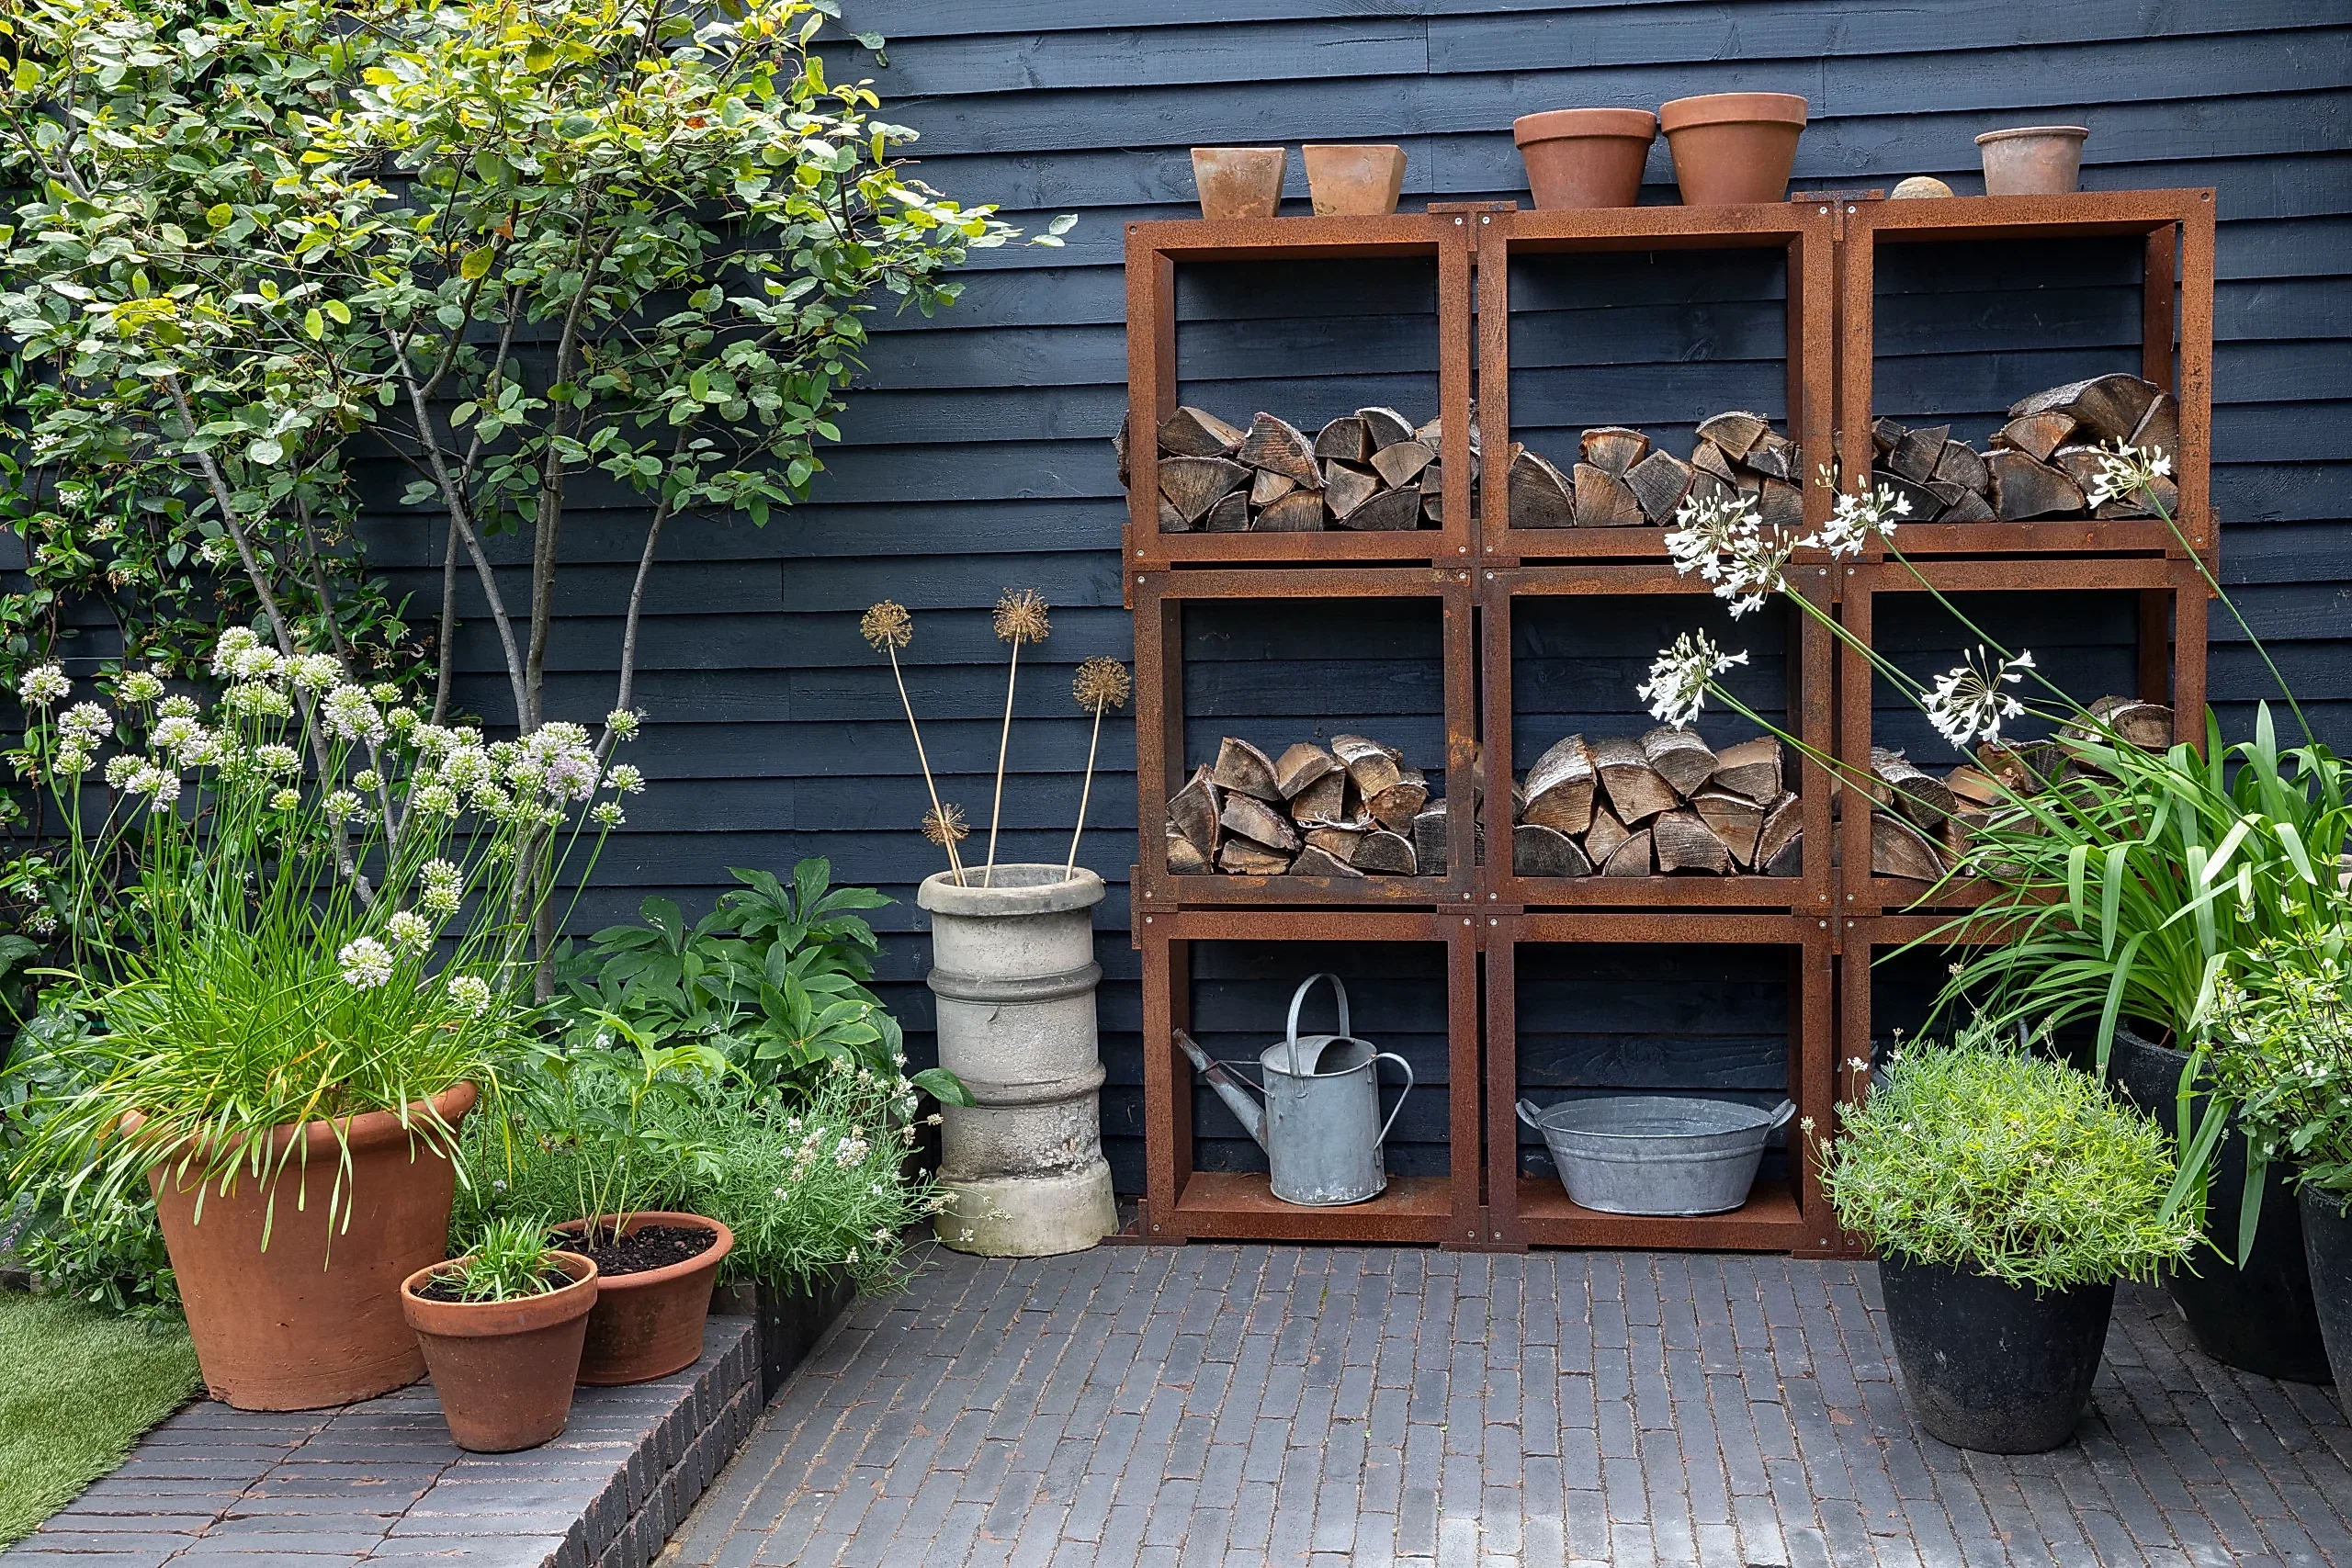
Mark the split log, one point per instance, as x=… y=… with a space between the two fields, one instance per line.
x=2159 y=428
x=1972 y=786
x=1636 y=791
x=1372 y=767
x=1659 y=482
x=2145 y=725
x=1631 y=858
x=1301 y=766
x=1560 y=787
x=1971 y=507
x=1612 y=449
x=1346 y=488
x=1539 y=497
x=1196 y=432
x=1172 y=521
x=1193 y=811
x=1680 y=758
x=1782 y=505
x=1384 y=426
x=1312 y=862
x=2024 y=489
x=2111 y=405
x=1734 y=432
x=1708 y=458
x=1705 y=486
x=1192 y=485
x=1682 y=841
x=1396 y=807
x=1782 y=832
x=1300 y=511
x=1962 y=465
x=1898 y=848
x=1276 y=446
x=2080 y=463
x=1269 y=487
x=1242 y=766
x=1230 y=515
x=1886 y=434
x=1345 y=439
x=1185 y=858
x=1432 y=487
x=1340 y=841
x=1916 y=456
x=1428 y=836
x=1601 y=839
x=1259 y=823
x=1925 y=503
x=1735 y=820
x=2036 y=434
x=1402 y=463
x=1324 y=800
x=1242 y=858
x=1603 y=500
x=1538 y=851
x=2135 y=503
x=1751 y=769
x=1919 y=796
x=1389 y=512
x=1387 y=852
x=2022 y=769
x=1119 y=450
x=1776 y=458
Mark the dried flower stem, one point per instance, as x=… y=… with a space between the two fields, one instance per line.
x=1085 y=793
x=1003 y=743
x=955 y=862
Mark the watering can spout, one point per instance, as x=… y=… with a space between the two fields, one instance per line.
x=1238 y=1099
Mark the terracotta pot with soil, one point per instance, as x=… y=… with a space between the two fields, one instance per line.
x=1734 y=148
x=1354 y=179
x=1239 y=182
x=2032 y=160
x=503 y=1371
x=313 y=1320
x=653 y=1286
x=1578 y=158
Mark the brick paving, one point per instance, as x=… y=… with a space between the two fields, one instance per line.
x=1239 y=1406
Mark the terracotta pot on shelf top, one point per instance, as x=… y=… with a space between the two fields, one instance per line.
x=2033 y=160
x=1355 y=178
x=1239 y=182
x=1582 y=158
x=1734 y=148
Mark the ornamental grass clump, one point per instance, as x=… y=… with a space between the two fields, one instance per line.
x=1995 y=1158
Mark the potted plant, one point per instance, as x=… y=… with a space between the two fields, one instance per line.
x=294 y=933
x=2005 y=1193
x=501 y=1329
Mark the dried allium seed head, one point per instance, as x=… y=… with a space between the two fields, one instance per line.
x=1100 y=683
x=886 y=624
x=1021 y=617
x=944 y=825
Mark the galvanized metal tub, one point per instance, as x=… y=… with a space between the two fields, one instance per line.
x=1656 y=1154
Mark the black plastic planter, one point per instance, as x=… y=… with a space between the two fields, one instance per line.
x=2260 y=1318
x=1999 y=1367
x=791 y=1320
x=2327 y=1245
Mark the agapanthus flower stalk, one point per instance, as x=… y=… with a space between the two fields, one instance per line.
x=1020 y=617
x=1969 y=701
x=887 y=627
x=1099 y=684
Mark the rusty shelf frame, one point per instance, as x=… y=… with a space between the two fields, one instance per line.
x=1154 y=251
x=2172 y=624
x=1810 y=711
x=1778 y=1217
x=2176 y=318
x=1159 y=598
x=1182 y=1203
x=1805 y=231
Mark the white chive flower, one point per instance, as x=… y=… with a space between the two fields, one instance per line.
x=72 y=761
x=470 y=993
x=341 y=806
x=385 y=693
x=235 y=644
x=256 y=699
x=367 y=780
x=351 y=714
x=181 y=706
x=366 y=963
x=607 y=815
x=623 y=724
x=274 y=757
x=624 y=778
x=43 y=684
x=437 y=799
x=315 y=671
x=120 y=769
x=1969 y=701
x=286 y=800
x=409 y=928
x=140 y=686
x=86 y=723
x=444 y=884
x=1676 y=688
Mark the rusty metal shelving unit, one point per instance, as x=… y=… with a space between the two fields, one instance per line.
x=1475 y=566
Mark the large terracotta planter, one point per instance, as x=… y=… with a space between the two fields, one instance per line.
x=1733 y=148
x=2032 y=160
x=313 y=1320
x=1578 y=158
x=503 y=1371
x=647 y=1326
x=1239 y=182
x=1354 y=179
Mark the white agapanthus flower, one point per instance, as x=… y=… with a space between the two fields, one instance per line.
x=235 y=644
x=183 y=739
x=607 y=815
x=557 y=760
x=1722 y=539
x=286 y=800
x=470 y=993
x=85 y=724
x=72 y=761
x=402 y=720
x=409 y=928
x=315 y=671
x=351 y=714
x=444 y=884
x=1676 y=688
x=2125 y=470
x=436 y=799
x=340 y=806
x=182 y=706
x=121 y=770
x=623 y=724
x=44 y=684
x=367 y=963
x=281 y=760
x=1856 y=520
x=1969 y=701
x=367 y=780
x=624 y=778
x=141 y=686
x=159 y=787
x=256 y=699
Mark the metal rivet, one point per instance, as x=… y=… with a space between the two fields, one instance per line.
x=1825 y=212
x=1825 y=925
x=1457 y=223
x=1498 y=1236
x=1486 y=221
x=1494 y=922
x=1146 y=920
x=1469 y=922
x=1849 y=210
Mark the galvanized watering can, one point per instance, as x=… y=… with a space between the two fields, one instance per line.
x=1320 y=1125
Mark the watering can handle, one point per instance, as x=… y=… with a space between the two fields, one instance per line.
x=1298 y=998
x=1528 y=1112
x=1780 y=1114
x=1388 y=1056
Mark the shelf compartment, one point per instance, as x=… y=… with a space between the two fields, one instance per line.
x=1809 y=713
x=2170 y=612
x=2175 y=229
x=1803 y=231
x=1155 y=250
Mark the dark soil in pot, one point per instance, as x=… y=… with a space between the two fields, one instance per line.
x=2327 y=1244
x=2260 y=1318
x=1991 y=1366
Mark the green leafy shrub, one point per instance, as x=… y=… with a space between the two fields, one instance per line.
x=2283 y=1054
x=1980 y=1154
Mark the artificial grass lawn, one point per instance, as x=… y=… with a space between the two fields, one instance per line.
x=77 y=1388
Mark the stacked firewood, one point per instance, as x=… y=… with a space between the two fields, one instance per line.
x=2042 y=463
x=1920 y=824
x=1372 y=469
x=1621 y=481
x=1357 y=810
x=1666 y=802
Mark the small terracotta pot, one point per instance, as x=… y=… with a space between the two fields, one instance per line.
x=503 y=1371
x=1579 y=158
x=1734 y=148
x=1354 y=179
x=647 y=1326
x=2032 y=160
x=1239 y=182
x=315 y=1319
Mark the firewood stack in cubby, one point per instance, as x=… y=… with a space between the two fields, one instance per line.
x=1372 y=470
x=1356 y=810
x=1621 y=481
x=1666 y=802
x=2042 y=463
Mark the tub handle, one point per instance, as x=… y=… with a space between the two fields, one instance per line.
x=1529 y=1112
x=1386 y=1056
x=1780 y=1114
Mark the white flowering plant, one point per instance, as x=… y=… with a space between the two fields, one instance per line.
x=322 y=915
x=2283 y=1054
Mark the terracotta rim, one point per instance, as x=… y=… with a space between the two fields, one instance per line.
x=1267 y=152
x=709 y=1257
x=1731 y=108
x=368 y=1130
x=2079 y=132
x=1554 y=125
x=492 y=1320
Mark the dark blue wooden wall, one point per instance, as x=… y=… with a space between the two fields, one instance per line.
x=974 y=458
